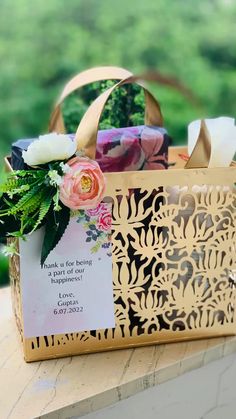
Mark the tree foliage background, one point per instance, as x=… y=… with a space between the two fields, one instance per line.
x=43 y=44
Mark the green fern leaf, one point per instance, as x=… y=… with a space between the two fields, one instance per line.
x=33 y=204
x=9 y=185
x=43 y=210
x=25 y=200
x=14 y=184
x=32 y=173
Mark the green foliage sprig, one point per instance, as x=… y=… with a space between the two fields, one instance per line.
x=29 y=199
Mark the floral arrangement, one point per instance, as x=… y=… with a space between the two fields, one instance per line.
x=57 y=180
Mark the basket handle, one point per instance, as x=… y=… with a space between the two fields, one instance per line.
x=86 y=134
x=92 y=75
x=201 y=154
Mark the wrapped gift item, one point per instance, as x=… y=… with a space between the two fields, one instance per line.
x=120 y=149
x=135 y=148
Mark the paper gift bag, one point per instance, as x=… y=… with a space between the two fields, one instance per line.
x=173 y=275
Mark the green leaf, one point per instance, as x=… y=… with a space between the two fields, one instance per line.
x=26 y=200
x=43 y=210
x=55 y=227
x=19 y=180
x=10 y=225
x=34 y=174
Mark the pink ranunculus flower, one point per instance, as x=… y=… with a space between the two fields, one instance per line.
x=104 y=221
x=93 y=212
x=83 y=186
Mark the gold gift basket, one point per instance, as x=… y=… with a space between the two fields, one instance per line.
x=173 y=254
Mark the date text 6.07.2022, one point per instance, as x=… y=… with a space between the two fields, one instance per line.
x=68 y=310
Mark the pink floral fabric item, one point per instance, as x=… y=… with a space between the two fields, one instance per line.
x=134 y=148
x=120 y=149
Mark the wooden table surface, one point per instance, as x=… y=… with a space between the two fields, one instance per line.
x=73 y=387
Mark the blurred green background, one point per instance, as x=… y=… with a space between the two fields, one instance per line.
x=43 y=44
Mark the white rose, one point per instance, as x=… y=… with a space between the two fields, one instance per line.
x=49 y=147
x=222 y=131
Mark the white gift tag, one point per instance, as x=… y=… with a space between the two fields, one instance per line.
x=73 y=291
